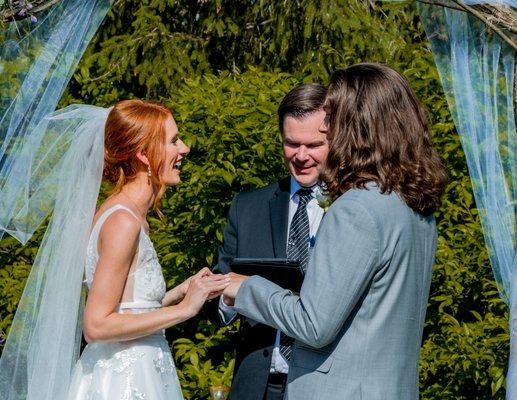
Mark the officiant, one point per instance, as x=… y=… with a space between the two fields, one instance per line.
x=277 y=221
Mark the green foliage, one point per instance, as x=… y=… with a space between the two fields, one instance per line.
x=15 y=264
x=222 y=67
x=148 y=48
x=465 y=347
x=197 y=372
x=230 y=124
x=15 y=60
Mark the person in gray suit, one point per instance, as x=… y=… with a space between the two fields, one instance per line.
x=359 y=317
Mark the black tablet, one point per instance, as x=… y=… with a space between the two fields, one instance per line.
x=283 y=272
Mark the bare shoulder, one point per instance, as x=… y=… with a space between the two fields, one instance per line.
x=120 y=226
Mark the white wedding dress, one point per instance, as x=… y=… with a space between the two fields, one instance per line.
x=140 y=369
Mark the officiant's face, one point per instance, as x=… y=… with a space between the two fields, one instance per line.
x=305 y=147
x=175 y=150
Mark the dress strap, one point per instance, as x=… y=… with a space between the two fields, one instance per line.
x=104 y=216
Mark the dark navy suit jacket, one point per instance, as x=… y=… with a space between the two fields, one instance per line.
x=257 y=227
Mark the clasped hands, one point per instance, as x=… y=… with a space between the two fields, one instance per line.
x=233 y=283
x=230 y=292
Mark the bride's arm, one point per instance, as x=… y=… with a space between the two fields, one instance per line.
x=118 y=243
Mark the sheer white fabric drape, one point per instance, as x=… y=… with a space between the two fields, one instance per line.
x=48 y=165
x=59 y=169
x=477 y=70
x=36 y=63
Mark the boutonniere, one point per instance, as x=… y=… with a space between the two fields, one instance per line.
x=324 y=200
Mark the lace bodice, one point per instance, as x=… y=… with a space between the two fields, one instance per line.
x=145 y=276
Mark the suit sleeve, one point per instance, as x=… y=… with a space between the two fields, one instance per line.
x=343 y=263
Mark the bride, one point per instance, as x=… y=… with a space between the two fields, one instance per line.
x=127 y=356
x=127 y=308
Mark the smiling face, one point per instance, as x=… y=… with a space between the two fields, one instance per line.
x=175 y=150
x=305 y=146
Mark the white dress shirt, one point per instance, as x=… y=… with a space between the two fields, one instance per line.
x=315 y=213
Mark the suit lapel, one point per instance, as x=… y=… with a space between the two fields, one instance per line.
x=278 y=213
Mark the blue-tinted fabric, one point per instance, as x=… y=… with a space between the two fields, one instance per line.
x=36 y=63
x=512 y=3
x=477 y=70
x=51 y=164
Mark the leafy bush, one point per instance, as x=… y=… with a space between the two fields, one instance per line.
x=230 y=124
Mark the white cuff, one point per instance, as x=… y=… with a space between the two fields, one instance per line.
x=226 y=312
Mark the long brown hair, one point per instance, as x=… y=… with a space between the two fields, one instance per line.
x=133 y=126
x=379 y=132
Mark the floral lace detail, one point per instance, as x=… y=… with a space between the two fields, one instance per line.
x=133 y=393
x=122 y=361
x=132 y=370
x=149 y=284
x=147 y=251
x=91 y=263
x=163 y=363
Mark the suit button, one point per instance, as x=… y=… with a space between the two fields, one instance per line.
x=266 y=353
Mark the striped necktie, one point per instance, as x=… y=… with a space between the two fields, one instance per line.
x=297 y=249
x=298 y=243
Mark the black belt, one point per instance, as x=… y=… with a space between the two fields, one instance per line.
x=277 y=379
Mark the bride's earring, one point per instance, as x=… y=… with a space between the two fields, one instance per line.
x=149 y=174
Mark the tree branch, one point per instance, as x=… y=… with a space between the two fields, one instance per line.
x=488 y=23
x=439 y=3
x=471 y=10
x=506 y=17
x=11 y=14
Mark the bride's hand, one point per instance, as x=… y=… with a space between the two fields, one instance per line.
x=201 y=288
x=183 y=287
x=177 y=293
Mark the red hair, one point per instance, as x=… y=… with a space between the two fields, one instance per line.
x=135 y=126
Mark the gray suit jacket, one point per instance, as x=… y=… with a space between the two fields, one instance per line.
x=359 y=317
